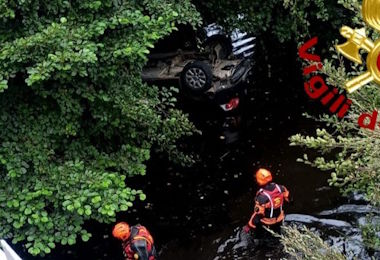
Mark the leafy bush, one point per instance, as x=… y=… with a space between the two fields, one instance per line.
x=370 y=232
x=285 y=20
x=351 y=154
x=304 y=244
x=76 y=121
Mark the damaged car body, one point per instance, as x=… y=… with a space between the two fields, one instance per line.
x=217 y=71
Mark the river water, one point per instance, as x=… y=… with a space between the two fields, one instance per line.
x=197 y=212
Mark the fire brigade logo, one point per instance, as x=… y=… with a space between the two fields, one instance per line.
x=277 y=202
x=356 y=40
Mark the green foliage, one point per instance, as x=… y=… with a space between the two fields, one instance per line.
x=76 y=120
x=286 y=19
x=304 y=244
x=370 y=232
x=351 y=154
x=356 y=164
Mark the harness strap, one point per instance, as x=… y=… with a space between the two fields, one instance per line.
x=280 y=191
x=271 y=203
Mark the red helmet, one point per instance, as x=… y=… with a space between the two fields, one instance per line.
x=121 y=231
x=263 y=176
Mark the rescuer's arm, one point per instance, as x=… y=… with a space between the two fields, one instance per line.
x=286 y=193
x=258 y=213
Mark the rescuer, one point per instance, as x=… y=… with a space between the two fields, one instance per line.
x=136 y=241
x=268 y=204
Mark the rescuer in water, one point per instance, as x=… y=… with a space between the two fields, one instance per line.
x=136 y=241
x=268 y=204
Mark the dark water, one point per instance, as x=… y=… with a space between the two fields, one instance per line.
x=220 y=207
x=197 y=212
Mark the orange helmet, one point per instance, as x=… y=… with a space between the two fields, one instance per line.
x=263 y=176
x=121 y=231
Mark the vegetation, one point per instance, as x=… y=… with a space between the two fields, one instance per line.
x=286 y=19
x=76 y=121
x=370 y=232
x=356 y=165
x=351 y=154
x=301 y=243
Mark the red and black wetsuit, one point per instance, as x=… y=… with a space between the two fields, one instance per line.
x=268 y=206
x=140 y=245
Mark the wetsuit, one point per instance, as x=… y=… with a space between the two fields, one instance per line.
x=140 y=245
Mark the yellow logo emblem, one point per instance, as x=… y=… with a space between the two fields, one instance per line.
x=356 y=40
x=277 y=202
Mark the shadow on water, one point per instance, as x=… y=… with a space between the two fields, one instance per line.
x=197 y=212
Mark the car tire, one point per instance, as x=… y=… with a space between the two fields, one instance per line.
x=196 y=77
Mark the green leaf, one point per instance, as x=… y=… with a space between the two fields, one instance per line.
x=96 y=199
x=71 y=241
x=85 y=237
x=17 y=225
x=80 y=211
x=77 y=204
x=88 y=212
x=142 y=196
x=64 y=241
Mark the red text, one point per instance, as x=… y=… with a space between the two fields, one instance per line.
x=316 y=87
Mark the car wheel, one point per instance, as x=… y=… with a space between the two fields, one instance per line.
x=196 y=76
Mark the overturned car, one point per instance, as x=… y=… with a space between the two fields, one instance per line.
x=198 y=74
x=223 y=63
x=216 y=67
